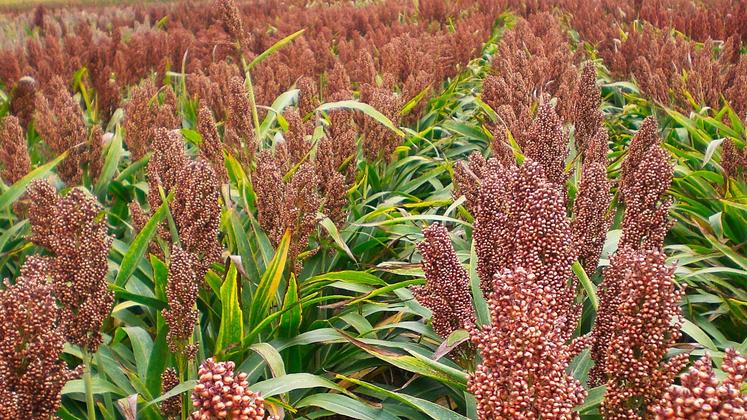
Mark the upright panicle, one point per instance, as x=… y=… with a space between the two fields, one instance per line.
x=14 y=154
x=523 y=373
x=71 y=229
x=31 y=343
x=587 y=118
x=701 y=396
x=59 y=121
x=591 y=215
x=220 y=393
x=645 y=325
x=181 y=294
x=446 y=291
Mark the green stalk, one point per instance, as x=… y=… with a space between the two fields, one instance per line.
x=253 y=103
x=181 y=363
x=88 y=382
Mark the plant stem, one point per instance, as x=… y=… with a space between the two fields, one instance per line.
x=88 y=382
x=181 y=363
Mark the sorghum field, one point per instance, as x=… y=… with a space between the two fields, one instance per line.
x=378 y=209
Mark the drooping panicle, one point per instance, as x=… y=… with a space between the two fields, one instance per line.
x=14 y=154
x=70 y=227
x=525 y=355
x=31 y=372
x=220 y=393
x=446 y=291
x=59 y=120
x=701 y=396
x=587 y=118
x=181 y=294
x=591 y=215
x=639 y=331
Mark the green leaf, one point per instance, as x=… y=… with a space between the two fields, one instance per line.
x=290 y=321
x=431 y=409
x=187 y=386
x=589 y=287
x=275 y=47
x=138 y=246
x=271 y=356
x=269 y=283
x=698 y=334
x=142 y=346
x=478 y=299
x=345 y=406
x=231 y=322
x=16 y=190
x=330 y=227
x=366 y=109
x=293 y=381
x=100 y=386
x=113 y=155
x=593 y=399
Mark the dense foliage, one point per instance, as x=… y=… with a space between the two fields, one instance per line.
x=374 y=210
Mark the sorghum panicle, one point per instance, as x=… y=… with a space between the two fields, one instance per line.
x=171 y=408
x=231 y=18
x=23 y=102
x=196 y=209
x=290 y=205
x=71 y=229
x=308 y=99
x=587 y=118
x=525 y=355
x=59 y=121
x=14 y=154
x=547 y=143
x=446 y=291
x=521 y=221
x=379 y=140
x=643 y=186
x=238 y=133
x=165 y=165
x=31 y=372
x=181 y=294
x=220 y=393
x=700 y=396
x=644 y=325
x=144 y=115
x=733 y=160
x=211 y=147
x=591 y=218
